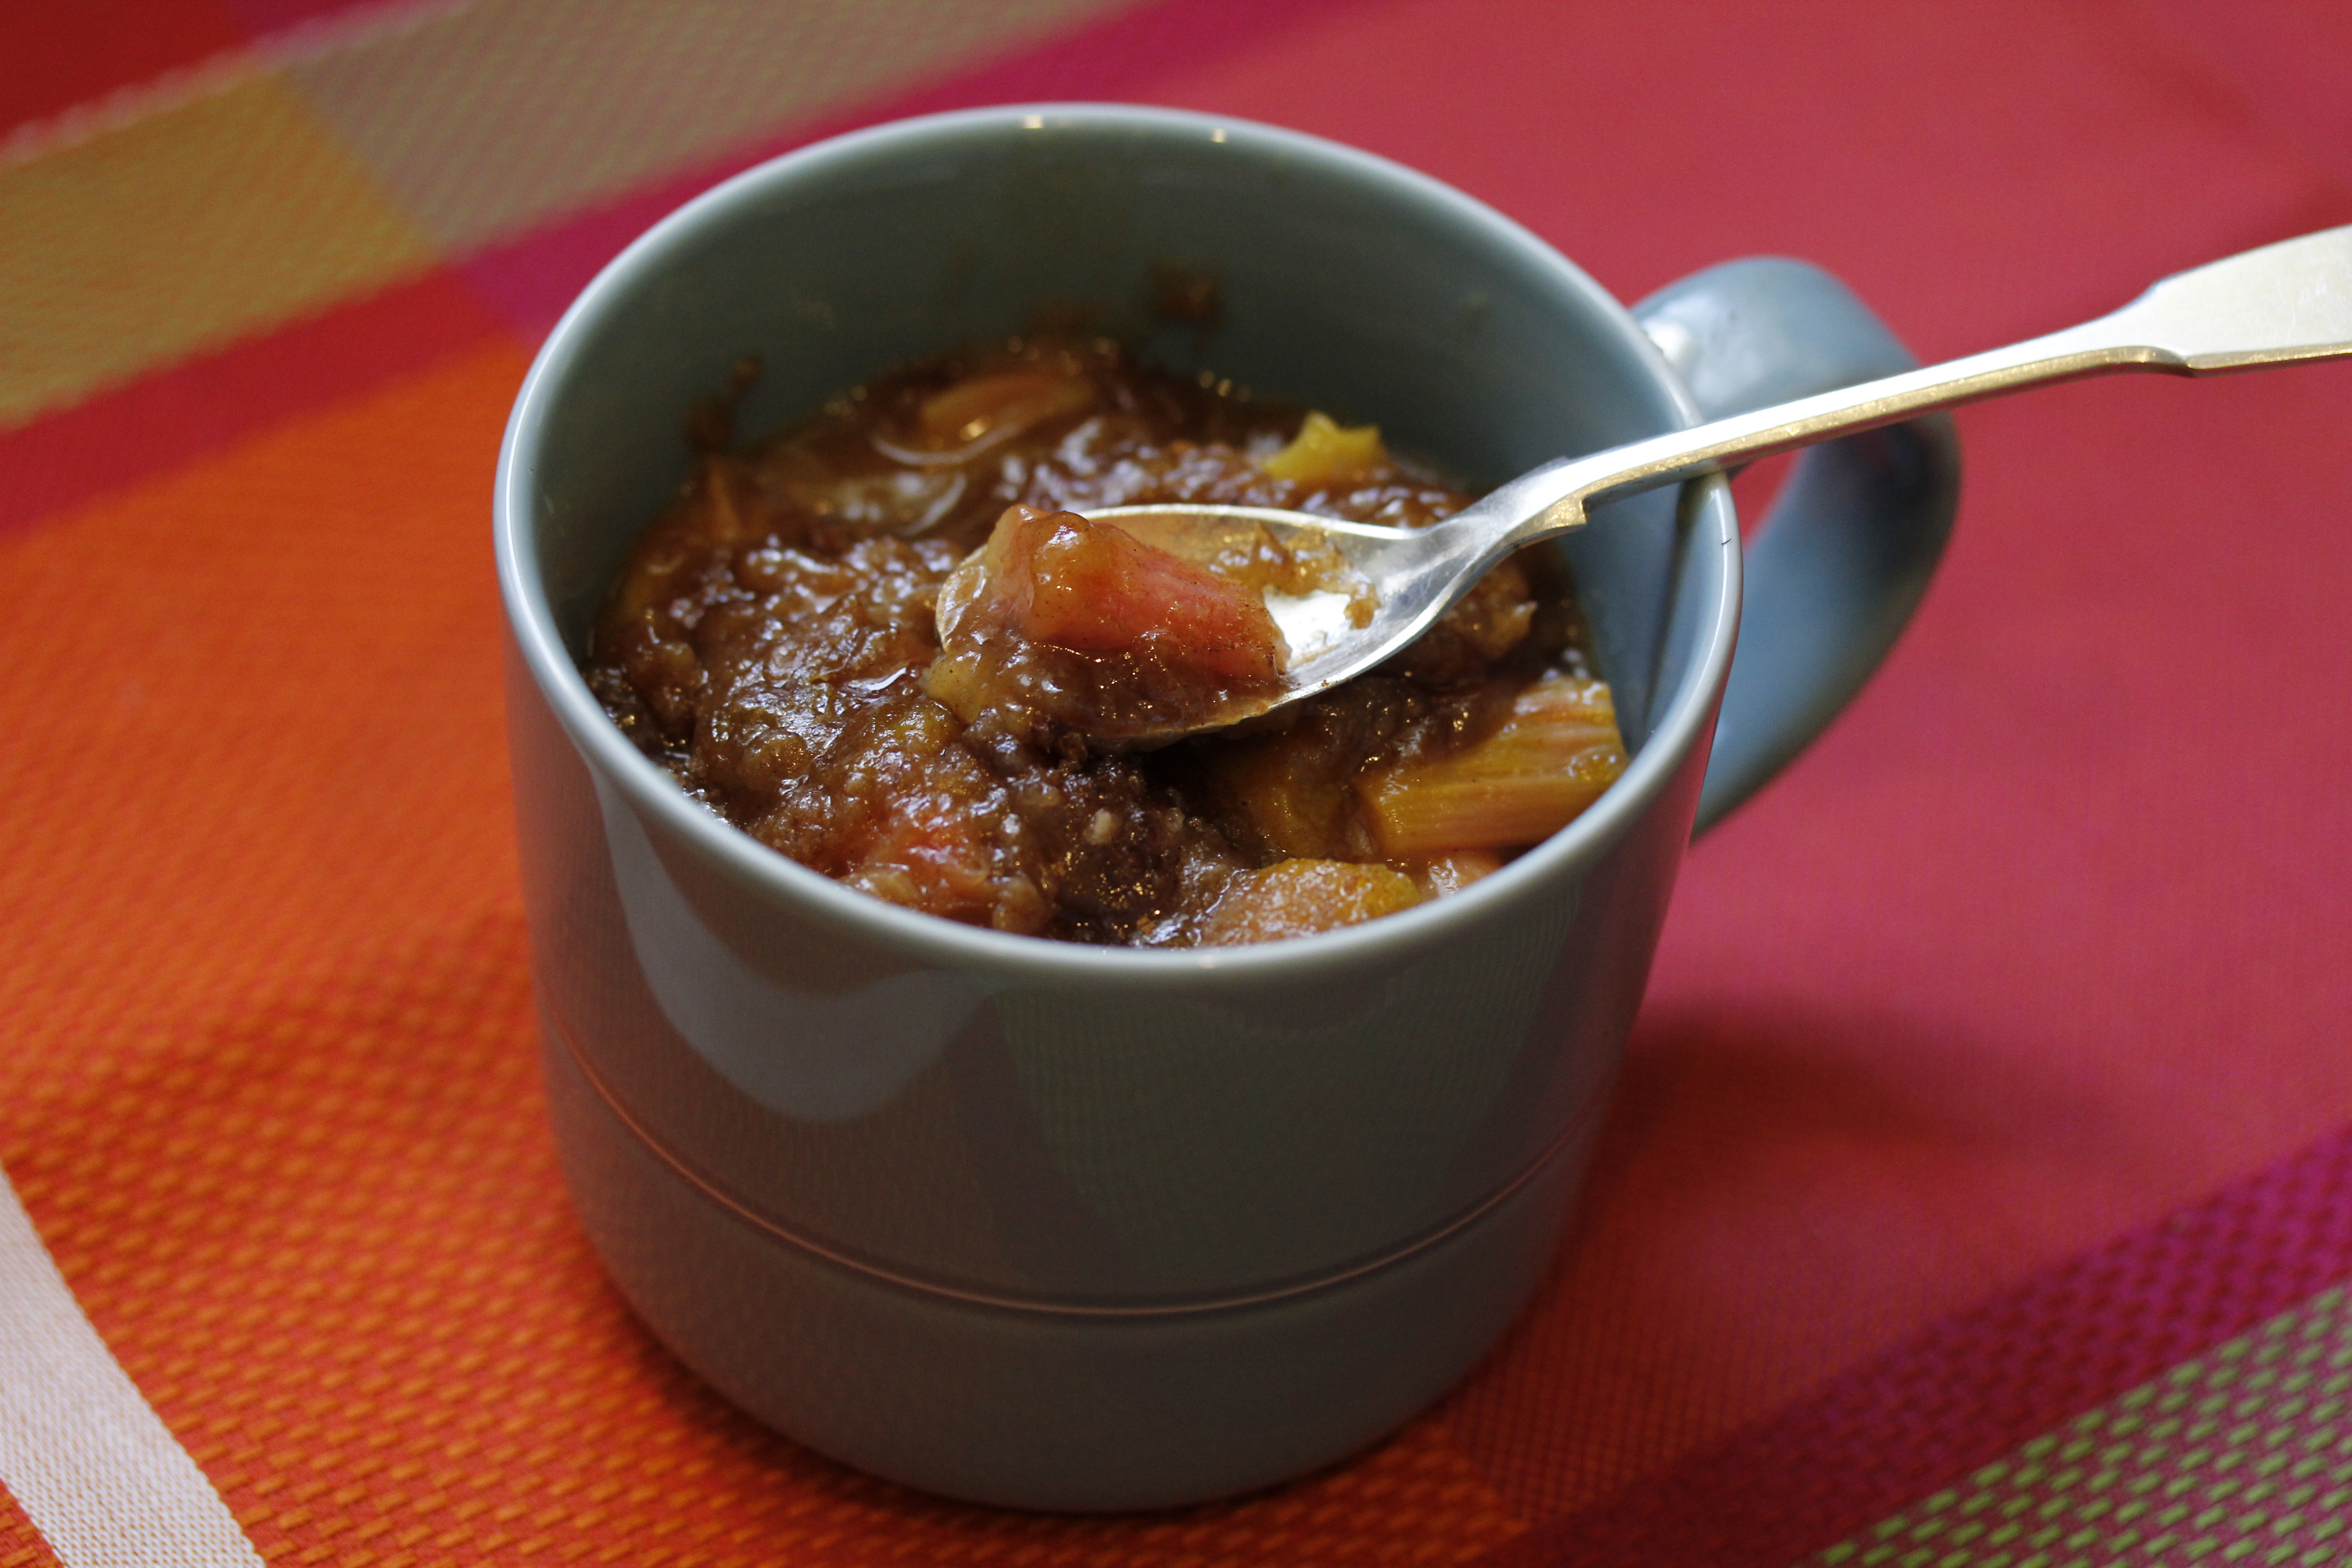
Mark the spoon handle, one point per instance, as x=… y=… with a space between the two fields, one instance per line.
x=2281 y=303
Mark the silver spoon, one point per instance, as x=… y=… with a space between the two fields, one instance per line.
x=2281 y=303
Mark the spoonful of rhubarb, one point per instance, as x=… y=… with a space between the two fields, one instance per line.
x=1137 y=626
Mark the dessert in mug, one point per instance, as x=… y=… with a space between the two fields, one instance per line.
x=774 y=641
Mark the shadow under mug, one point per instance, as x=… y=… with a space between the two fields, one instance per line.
x=1050 y=1226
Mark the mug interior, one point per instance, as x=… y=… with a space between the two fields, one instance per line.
x=1345 y=283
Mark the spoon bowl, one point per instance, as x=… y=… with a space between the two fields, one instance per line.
x=2280 y=304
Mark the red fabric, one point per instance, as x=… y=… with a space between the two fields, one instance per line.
x=61 y=56
x=2282 y=60
x=2002 y=1040
x=2048 y=935
x=1978 y=1385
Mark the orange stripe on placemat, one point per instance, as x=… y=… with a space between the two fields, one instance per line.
x=266 y=693
x=21 y=1545
x=270 y=1091
x=205 y=405
x=102 y=1478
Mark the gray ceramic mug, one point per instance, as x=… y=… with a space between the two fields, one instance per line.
x=1061 y=1226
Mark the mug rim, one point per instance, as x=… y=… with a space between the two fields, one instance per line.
x=932 y=939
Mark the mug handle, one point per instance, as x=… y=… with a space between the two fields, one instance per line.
x=1842 y=560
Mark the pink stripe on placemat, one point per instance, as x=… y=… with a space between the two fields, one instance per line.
x=207 y=404
x=530 y=280
x=1968 y=1390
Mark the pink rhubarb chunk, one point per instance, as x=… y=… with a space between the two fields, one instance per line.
x=1092 y=587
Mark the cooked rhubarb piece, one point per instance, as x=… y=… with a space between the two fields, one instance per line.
x=1287 y=794
x=1554 y=754
x=1093 y=587
x=983 y=410
x=1300 y=897
x=925 y=847
x=775 y=640
x=1083 y=627
x=1442 y=874
x=1325 y=453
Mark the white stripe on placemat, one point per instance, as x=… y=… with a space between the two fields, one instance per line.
x=92 y=1466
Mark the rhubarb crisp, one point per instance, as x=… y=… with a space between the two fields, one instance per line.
x=774 y=641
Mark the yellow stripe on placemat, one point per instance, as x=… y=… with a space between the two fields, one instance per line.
x=488 y=120
x=132 y=238
x=178 y=233
x=86 y=1458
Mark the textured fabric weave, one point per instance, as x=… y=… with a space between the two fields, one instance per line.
x=2243 y=1452
x=79 y=1448
x=1993 y=1091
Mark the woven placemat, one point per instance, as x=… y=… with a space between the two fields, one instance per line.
x=1977 y=1193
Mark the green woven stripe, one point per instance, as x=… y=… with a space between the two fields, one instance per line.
x=2243 y=1454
